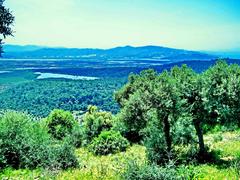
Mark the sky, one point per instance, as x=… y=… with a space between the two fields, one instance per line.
x=188 y=24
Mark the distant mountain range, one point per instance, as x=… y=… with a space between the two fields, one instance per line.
x=118 y=53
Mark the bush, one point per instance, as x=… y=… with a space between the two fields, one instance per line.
x=95 y=122
x=131 y=135
x=186 y=153
x=63 y=156
x=217 y=137
x=76 y=136
x=182 y=135
x=60 y=123
x=108 y=142
x=149 y=172
x=25 y=143
x=183 y=131
x=155 y=143
x=235 y=165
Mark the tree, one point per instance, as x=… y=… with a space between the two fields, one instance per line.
x=152 y=96
x=60 y=123
x=222 y=93
x=135 y=101
x=161 y=105
x=191 y=87
x=6 y=20
x=95 y=122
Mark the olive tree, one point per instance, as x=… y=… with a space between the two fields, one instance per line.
x=191 y=87
x=135 y=100
x=223 y=93
x=151 y=96
x=6 y=21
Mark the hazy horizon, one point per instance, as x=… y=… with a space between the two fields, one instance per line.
x=192 y=25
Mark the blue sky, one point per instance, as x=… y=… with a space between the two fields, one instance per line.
x=190 y=24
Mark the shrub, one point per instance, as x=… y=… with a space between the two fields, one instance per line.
x=149 y=172
x=95 y=122
x=183 y=131
x=108 y=142
x=76 y=136
x=217 y=137
x=132 y=136
x=235 y=165
x=155 y=143
x=25 y=143
x=60 y=123
x=63 y=156
x=186 y=153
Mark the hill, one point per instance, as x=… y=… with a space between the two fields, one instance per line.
x=118 y=53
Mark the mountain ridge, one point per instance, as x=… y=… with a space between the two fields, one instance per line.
x=123 y=52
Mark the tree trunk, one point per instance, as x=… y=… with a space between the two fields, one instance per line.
x=166 y=129
x=198 y=128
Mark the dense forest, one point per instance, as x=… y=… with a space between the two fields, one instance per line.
x=42 y=96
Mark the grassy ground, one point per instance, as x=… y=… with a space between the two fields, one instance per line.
x=227 y=146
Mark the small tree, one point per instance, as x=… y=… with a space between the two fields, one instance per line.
x=95 y=122
x=191 y=88
x=6 y=20
x=147 y=93
x=135 y=101
x=60 y=123
x=222 y=92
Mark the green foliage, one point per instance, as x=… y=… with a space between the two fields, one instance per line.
x=217 y=137
x=60 y=123
x=95 y=122
x=151 y=96
x=119 y=125
x=182 y=100
x=223 y=89
x=108 y=142
x=127 y=165
x=40 y=97
x=6 y=21
x=149 y=172
x=155 y=144
x=135 y=100
x=25 y=143
x=63 y=156
x=76 y=137
x=183 y=132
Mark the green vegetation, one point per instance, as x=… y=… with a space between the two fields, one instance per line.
x=118 y=166
x=6 y=21
x=95 y=122
x=60 y=123
x=179 y=97
x=173 y=125
x=108 y=142
x=40 y=97
x=25 y=143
